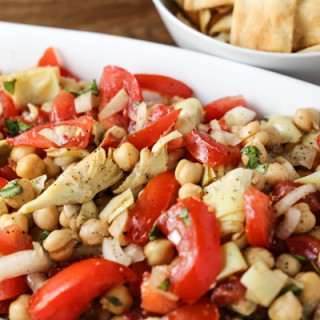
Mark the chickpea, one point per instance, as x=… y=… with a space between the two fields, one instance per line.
x=119 y=294
x=307 y=219
x=60 y=244
x=254 y=254
x=311 y=285
x=18 y=152
x=288 y=264
x=258 y=180
x=188 y=172
x=307 y=119
x=30 y=167
x=93 y=231
x=273 y=134
x=126 y=156
x=18 y=309
x=64 y=220
x=19 y=219
x=276 y=173
x=285 y=307
x=315 y=232
x=25 y=196
x=159 y=251
x=189 y=190
x=47 y=218
x=262 y=137
x=249 y=130
x=52 y=170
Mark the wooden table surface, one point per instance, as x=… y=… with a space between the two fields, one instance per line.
x=131 y=18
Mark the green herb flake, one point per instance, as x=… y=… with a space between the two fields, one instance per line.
x=43 y=236
x=262 y=168
x=253 y=154
x=137 y=102
x=155 y=233
x=266 y=119
x=184 y=216
x=164 y=286
x=91 y=87
x=11 y=189
x=23 y=127
x=16 y=127
x=310 y=262
x=10 y=86
x=114 y=300
x=294 y=288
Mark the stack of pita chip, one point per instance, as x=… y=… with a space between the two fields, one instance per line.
x=266 y=25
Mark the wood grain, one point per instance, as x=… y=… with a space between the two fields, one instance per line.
x=131 y=18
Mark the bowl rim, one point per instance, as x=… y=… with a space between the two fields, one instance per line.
x=227 y=46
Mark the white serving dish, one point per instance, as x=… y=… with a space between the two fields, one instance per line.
x=86 y=54
x=302 y=66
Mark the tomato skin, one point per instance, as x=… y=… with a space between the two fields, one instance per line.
x=13 y=239
x=33 y=138
x=9 y=109
x=228 y=291
x=4 y=306
x=3 y=182
x=50 y=58
x=13 y=287
x=114 y=79
x=164 y=85
x=139 y=268
x=260 y=218
x=306 y=246
x=199 y=248
x=218 y=108
x=318 y=140
x=207 y=151
x=176 y=144
x=157 y=113
x=153 y=301
x=7 y=172
x=149 y=135
x=67 y=294
x=201 y=310
x=313 y=201
x=282 y=188
x=137 y=314
x=63 y=108
x=156 y=197
x=109 y=141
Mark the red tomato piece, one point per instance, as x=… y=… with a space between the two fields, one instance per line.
x=218 y=108
x=109 y=141
x=8 y=107
x=4 y=306
x=3 y=182
x=158 y=112
x=156 y=197
x=7 y=172
x=313 y=201
x=207 y=151
x=164 y=85
x=13 y=287
x=82 y=132
x=223 y=125
x=137 y=314
x=139 y=268
x=50 y=58
x=282 y=188
x=229 y=291
x=117 y=119
x=112 y=81
x=202 y=310
x=154 y=301
x=13 y=239
x=260 y=218
x=176 y=143
x=199 y=248
x=318 y=140
x=304 y=245
x=149 y=135
x=67 y=294
x=63 y=107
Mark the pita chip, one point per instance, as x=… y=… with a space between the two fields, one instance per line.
x=194 y=5
x=204 y=19
x=222 y=25
x=263 y=25
x=315 y=48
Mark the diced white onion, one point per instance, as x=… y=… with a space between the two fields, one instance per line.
x=163 y=141
x=141 y=116
x=116 y=104
x=286 y=227
x=38 y=184
x=303 y=156
x=292 y=197
x=36 y=280
x=135 y=252
x=53 y=136
x=239 y=116
x=111 y=250
x=203 y=127
x=152 y=98
x=85 y=102
x=33 y=113
x=24 y=262
x=175 y=237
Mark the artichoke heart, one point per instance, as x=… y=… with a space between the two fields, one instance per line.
x=150 y=165
x=79 y=183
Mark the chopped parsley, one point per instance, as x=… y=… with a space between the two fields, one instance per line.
x=310 y=262
x=114 y=300
x=254 y=163
x=91 y=87
x=43 y=236
x=294 y=288
x=184 y=216
x=11 y=189
x=155 y=233
x=164 y=286
x=10 y=85
x=16 y=127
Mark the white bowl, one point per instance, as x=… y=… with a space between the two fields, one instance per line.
x=85 y=54
x=304 y=66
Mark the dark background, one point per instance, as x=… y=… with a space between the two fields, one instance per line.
x=131 y=18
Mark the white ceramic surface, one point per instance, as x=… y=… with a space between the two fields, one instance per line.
x=303 y=66
x=86 y=54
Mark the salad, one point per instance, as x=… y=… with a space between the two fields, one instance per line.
x=127 y=199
